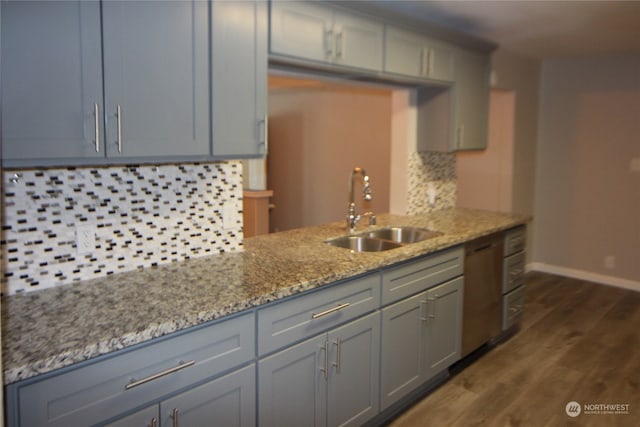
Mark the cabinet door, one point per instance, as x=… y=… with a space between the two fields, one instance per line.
x=147 y=417
x=444 y=325
x=227 y=401
x=412 y=54
x=403 y=348
x=353 y=393
x=358 y=42
x=52 y=73
x=239 y=78
x=440 y=61
x=301 y=30
x=404 y=53
x=293 y=385
x=156 y=62
x=472 y=100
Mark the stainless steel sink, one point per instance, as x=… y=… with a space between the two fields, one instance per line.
x=363 y=244
x=403 y=235
x=383 y=239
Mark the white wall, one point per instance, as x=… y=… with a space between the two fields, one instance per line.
x=587 y=198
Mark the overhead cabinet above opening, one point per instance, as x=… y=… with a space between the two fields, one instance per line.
x=451 y=79
x=318 y=32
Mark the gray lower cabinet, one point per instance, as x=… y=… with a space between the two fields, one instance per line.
x=513 y=282
x=227 y=401
x=98 y=392
x=147 y=417
x=328 y=380
x=421 y=337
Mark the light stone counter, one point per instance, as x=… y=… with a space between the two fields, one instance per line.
x=53 y=328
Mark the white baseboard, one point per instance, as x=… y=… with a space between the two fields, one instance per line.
x=584 y=275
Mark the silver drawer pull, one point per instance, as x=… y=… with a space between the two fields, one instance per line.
x=134 y=383
x=331 y=310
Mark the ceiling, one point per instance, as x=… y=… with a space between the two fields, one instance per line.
x=537 y=29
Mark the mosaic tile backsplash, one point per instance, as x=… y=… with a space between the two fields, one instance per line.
x=134 y=217
x=431 y=171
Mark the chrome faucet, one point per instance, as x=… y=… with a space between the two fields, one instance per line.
x=352 y=217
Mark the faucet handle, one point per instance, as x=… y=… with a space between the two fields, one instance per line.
x=372 y=217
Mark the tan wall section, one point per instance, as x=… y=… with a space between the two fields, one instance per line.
x=485 y=178
x=317 y=134
x=587 y=197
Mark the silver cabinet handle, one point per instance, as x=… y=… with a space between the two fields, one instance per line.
x=263 y=133
x=430 y=62
x=96 y=123
x=119 y=117
x=154 y=422
x=174 y=416
x=338 y=362
x=325 y=365
x=423 y=63
x=429 y=315
x=423 y=312
x=460 y=136
x=339 y=45
x=329 y=42
x=331 y=310
x=182 y=365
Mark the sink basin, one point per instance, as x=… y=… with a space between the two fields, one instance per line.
x=383 y=239
x=403 y=235
x=363 y=244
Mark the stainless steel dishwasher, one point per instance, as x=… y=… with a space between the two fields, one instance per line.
x=482 y=313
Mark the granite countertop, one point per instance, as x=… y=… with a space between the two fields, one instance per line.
x=53 y=328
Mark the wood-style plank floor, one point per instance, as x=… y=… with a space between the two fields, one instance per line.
x=579 y=341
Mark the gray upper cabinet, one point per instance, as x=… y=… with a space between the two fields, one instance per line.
x=326 y=34
x=156 y=61
x=471 y=100
x=415 y=55
x=52 y=80
x=170 y=71
x=239 y=78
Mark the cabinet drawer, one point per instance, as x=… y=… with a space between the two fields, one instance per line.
x=415 y=276
x=512 y=308
x=515 y=240
x=301 y=317
x=513 y=272
x=97 y=391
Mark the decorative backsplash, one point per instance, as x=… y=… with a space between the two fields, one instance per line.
x=140 y=216
x=431 y=171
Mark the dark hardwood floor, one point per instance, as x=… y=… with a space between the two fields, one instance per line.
x=579 y=341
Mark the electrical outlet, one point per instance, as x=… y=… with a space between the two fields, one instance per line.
x=229 y=214
x=85 y=239
x=635 y=165
x=610 y=262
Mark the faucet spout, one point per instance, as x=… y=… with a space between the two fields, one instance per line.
x=352 y=217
